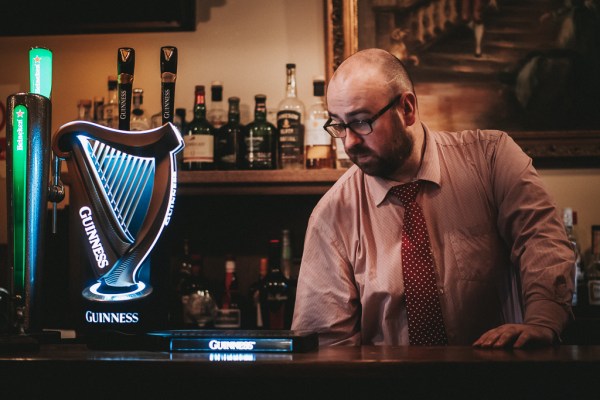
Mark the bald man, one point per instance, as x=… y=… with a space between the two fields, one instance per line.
x=503 y=267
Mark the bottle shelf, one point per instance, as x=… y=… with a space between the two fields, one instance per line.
x=265 y=182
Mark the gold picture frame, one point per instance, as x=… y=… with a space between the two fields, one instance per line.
x=548 y=149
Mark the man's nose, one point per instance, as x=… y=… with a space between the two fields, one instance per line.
x=352 y=138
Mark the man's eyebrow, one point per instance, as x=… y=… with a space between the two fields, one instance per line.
x=351 y=113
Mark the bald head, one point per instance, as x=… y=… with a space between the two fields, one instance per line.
x=376 y=67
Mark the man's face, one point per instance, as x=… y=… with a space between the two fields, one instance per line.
x=385 y=150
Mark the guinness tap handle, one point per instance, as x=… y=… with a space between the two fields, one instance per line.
x=125 y=70
x=168 y=75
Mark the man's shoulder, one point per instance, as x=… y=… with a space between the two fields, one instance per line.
x=465 y=137
x=342 y=191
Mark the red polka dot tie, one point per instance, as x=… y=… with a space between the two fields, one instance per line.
x=425 y=321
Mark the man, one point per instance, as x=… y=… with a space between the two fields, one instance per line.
x=502 y=265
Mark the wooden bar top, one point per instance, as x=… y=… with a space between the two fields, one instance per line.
x=332 y=372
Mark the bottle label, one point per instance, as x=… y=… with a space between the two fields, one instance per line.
x=259 y=152
x=594 y=292
x=315 y=134
x=291 y=137
x=276 y=314
x=198 y=148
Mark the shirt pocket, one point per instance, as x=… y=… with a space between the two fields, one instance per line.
x=477 y=251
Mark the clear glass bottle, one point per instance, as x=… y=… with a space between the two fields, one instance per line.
x=260 y=139
x=290 y=124
x=341 y=157
x=84 y=110
x=199 y=308
x=275 y=294
x=156 y=120
x=217 y=115
x=580 y=291
x=318 y=144
x=228 y=137
x=110 y=110
x=139 y=117
x=199 y=150
x=254 y=293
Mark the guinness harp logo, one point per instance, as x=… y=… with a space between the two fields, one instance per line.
x=168 y=52
x=125 y=53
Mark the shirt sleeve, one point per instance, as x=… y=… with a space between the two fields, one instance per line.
x=327 y=299
x=530 y=223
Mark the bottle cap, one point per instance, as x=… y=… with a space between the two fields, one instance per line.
x=229 y=264
x=216 y=91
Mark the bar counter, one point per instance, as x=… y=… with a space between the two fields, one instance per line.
x=74 y=371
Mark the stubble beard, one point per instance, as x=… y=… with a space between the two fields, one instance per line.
x=389 y=162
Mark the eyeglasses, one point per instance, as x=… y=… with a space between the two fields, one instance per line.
x=361 y=127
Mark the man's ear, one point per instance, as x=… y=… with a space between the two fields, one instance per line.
x=408 y=107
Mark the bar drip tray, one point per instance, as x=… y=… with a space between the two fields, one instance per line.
x=208 y=340
x=233 y=341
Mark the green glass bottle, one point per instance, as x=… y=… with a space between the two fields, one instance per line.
x=229 y=136
x=199 y=150
x=260 y=139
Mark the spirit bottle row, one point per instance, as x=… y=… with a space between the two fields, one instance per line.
x=216 y=139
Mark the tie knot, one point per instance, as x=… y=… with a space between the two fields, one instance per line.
x=407 y=193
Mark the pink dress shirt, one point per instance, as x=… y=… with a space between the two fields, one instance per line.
x=500 y=250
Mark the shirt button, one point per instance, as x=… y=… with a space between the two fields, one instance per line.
x=441 y=290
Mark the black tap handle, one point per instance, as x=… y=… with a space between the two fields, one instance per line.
x=168 y=76
x=125 y=72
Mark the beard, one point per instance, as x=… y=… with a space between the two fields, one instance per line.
x=386 y=163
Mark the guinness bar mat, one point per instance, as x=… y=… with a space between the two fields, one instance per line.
x=233 y=341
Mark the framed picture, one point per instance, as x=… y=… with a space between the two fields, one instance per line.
x=66 y=17
x=529 y=68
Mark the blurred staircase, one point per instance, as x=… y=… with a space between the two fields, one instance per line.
x=512 y=31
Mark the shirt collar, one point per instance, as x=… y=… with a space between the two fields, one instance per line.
x=429 y=170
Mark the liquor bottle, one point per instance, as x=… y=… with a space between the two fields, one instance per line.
x=230 y=313
x=318 y=146
x=228 y=137
x=275 y=291
x=110 y=110
x=180 y=274
x=199 y=308
x=199 y=150
x=139 y=118
x=341 y=157
x=84 y=110
x=593 y=269
x=217 y=115
x=580 y=291
x=290 y=124
x=286 y=254
x=97 y=109
x=231 y=288
x=180 y=119
x=254 y=293
x=260 y=139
